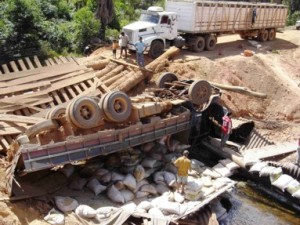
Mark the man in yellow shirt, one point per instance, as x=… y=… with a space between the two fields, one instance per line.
x=183 y=165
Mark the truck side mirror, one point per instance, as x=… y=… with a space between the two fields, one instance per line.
x=169 y=21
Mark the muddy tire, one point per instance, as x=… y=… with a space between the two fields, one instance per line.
x=40 y=127
x=156 y=49
x=165 y=77
x=84 y=113
x=198 y=44
x=57 y=112
x=210 y=42
x=117 y=106
x=199 y=92
x=272 y=34
x=263 y=36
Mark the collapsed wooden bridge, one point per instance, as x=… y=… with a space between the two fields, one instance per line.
x=30 y=87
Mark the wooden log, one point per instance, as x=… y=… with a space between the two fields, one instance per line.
x=114 y=79
x=128 y=83
x=239 y=89
x=106 y=70
x=121 y=80
x=170 y=53
x=112 y=73
x=97 y=65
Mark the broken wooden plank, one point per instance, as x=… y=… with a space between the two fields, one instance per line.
x=5 y=69
x=30 y=65
x=45 y=73
x=4 y=143
x=14 y=66
x=47 y=62
x=24 y=87
x=56 y=98
x=13 y=130
x=37 y=61
x=52 y=61
x=270 y=151
x=20 y=119
x=22 y=64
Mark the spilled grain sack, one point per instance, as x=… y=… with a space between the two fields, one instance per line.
x=115 y=195
x=128 y=195
x=65 y=204
x=95 y=186
x=139 y=173
x=149 y=188
x=85 y=211
x=130 y=182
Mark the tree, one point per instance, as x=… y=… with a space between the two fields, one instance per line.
x=105 y=13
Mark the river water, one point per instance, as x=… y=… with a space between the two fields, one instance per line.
x=249 y=207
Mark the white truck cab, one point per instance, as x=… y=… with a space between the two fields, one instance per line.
x=156 y=27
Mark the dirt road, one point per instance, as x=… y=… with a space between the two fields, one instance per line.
x=273 y=70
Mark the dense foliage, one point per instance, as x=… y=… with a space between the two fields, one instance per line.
x=51 y=27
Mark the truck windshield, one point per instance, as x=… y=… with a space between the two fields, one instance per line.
x=149 y=18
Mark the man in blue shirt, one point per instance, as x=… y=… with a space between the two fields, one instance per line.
x=140 y=48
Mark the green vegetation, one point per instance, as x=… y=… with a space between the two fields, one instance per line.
x=54 y=27
x=294 y=11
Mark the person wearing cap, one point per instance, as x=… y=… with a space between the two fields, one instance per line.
x=226 y=129
x=183 y=165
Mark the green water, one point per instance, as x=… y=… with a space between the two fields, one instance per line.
x=252 y=208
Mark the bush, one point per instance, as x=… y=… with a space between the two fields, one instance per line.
x=292 y=18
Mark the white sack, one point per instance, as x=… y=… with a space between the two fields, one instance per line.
x=282 y=182
x=159 y=177
x=116 y=176
x=229 y=164
x=55 y=218
x=141 y=194
x=149 y=188
x=293 y=186
x=156 y=212
x=266 y=171
x=95 y=186
x=145 y=205
x=65 y=204
x=115 y=195
x=130 y=182
x=224 y=171
x=178 y=197
x=213 y=174
x=128 y=195
x=170 y=208
x=85 y=211
x=257 y=167
x=169 y=178
x=139 y=185
x=161 y=188
x=139 y=173
x=275 y=174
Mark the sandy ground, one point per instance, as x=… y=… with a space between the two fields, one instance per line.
x=273 y=70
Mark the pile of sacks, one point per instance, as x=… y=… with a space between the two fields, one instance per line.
x=282 y=181
x=125 y=175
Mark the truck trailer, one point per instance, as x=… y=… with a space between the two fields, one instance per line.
x=196 y=24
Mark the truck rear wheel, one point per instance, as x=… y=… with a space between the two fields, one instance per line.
x=198 y=44
x=156 y=49
x=199 y=92
x=263 y=36
x=210 y=42
x=117 y=106
x=165 y=77
x=84 y=113
x=272 y=34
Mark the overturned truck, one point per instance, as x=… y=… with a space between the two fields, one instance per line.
x=88 y=127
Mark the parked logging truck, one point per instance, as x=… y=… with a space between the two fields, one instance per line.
x=197 y=24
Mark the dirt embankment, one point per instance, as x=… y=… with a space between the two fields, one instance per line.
x=273 y=70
